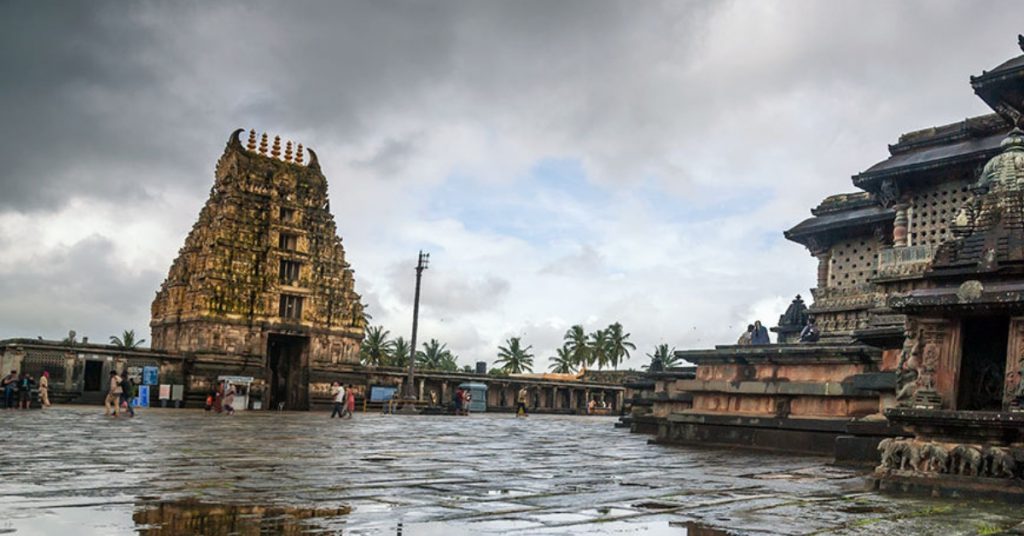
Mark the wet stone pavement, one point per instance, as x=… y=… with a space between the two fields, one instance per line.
x=73 y=471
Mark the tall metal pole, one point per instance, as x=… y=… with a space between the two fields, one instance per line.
x=424 y=259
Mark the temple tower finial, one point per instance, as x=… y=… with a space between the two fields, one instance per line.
x=298 y=154
x=275 y=151
x=288 y=151
x=263 y=144
x=251 y=146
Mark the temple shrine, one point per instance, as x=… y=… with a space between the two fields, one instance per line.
x=919 y=301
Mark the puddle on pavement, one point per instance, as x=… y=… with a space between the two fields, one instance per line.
x=192 y=517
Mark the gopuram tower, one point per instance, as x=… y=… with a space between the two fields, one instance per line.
x=261 y=287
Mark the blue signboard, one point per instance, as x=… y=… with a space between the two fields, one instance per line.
x=142 y=401
x=150 y=375
x=380 y=393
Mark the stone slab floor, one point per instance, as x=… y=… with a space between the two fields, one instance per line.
x=69 y=470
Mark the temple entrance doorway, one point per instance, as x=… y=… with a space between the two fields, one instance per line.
x=289 y=375
x=93 y=376
x=983 y=364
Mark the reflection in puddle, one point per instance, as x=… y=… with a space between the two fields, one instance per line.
x=697 y=529
x=188 y=517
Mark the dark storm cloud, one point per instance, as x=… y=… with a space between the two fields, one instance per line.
x=129 y=104
x=81 y=287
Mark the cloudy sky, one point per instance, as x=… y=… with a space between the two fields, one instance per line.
x=563 y=162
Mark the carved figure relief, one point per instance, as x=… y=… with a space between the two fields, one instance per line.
x=908 y=369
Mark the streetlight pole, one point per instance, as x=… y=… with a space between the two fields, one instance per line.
x=424 y=260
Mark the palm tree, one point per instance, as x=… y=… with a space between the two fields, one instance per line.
x=434 y=356
x=513 y=358
x=376 y=348
x=618 y=344
x=399 y=353
x=563 y=362
x=127 y=340
x=600 y=350
x=578 y=345
x=662 y=358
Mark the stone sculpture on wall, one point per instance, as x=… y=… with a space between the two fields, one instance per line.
x=919 y=457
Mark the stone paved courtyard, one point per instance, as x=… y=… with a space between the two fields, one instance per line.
x=72 y=471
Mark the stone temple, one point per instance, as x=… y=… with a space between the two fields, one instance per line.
x=261 y=287
x=919 y=300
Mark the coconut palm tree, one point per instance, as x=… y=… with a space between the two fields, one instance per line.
x=434 y=356
x=662 y=358
x=619 y=345
x=513 y=358
x=399 y=353
x=578 y=345
x=600 y=349
x=376 y=348
x=563 y=362
x=127 y=340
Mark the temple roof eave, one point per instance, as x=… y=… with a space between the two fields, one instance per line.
x=803 y=353
x=860 y=218
x=905 y=165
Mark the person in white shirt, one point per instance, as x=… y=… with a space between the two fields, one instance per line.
x=338 y=392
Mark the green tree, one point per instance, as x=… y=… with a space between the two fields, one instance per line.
x=578 y=345
x=662 y=358
x=436 y=356
x=563 y=362
x=513 y=358
x=376 y=348
x=600 y=349
x=618 y=344
x=399 y=353
x=126 y=340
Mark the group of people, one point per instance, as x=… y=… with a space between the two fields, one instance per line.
x=120 y=392
x=755 y=334
x=758 y=334
x=18 y=390
x=344 y=401
x=221 y=399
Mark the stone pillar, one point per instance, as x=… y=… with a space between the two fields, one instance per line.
x=423 y=383
x=586 y=398
x=823 y=267
x=618 y=400
x=899 y=227
x=444 y=392
x=572 y=399
x=554 y=398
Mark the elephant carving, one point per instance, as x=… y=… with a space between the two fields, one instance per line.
x=936 y=458
x=966 y=460
x=913 y=456
x=999 y=462
x=885 y=451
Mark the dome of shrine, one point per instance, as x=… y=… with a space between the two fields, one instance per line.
x=1005 y=171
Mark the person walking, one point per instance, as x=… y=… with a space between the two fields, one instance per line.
x=127 y=392
x=338 y=393
x=44 y=389
x=760 y=335
x=113 y=395
x=10 y=385
x=228 y=402
x=350 y=401
x=25 y=390
x=521 y=402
